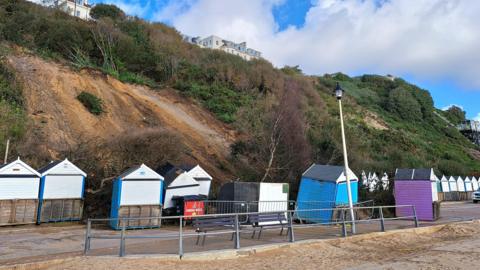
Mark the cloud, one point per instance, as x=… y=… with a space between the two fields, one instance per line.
x=477 y=118
x=431 y=39
x=452 y=105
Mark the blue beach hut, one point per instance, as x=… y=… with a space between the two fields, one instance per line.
x=137 y=193
x=323 y=187
x=61 y=195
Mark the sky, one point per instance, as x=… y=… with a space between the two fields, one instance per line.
x=434 y=44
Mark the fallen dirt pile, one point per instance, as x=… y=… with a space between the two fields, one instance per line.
x=60 y=121
x=454 y=246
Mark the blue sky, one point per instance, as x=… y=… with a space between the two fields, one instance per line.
x=432 y=43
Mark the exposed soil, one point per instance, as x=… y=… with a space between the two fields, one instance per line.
x=453 y=246
x=372 y=120
x=59 y=120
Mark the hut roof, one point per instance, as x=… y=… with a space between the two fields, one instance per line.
x=170 y=172
x=414 y=174
x=67 y=168
x=129 y=171
x=49 y=166
x=324 y=172
x=144 y=173
x=199 y=174
x=17 y=167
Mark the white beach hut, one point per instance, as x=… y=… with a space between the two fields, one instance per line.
x=62 y=186
x=137 y=193
x=452 y=184
x=468 y=184
x=179 y=186
x=19 y=185
x=444 y=184
x=475 y=183
x=203 y=178
x=460 y=183
x=364 y=179
x=373 y=182
x=434 y=183
x=385 y=181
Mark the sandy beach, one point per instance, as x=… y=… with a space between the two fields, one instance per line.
x=452 y=246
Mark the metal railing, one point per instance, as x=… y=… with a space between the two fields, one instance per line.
x=407 y=212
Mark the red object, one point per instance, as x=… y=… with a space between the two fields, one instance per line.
x=193 y=208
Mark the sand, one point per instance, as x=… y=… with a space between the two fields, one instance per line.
x=452 y=246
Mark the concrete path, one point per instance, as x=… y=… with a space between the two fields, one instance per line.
x=34 y=243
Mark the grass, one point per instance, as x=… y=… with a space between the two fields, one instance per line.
x=221 y=100
x=93 y=104
x=13 y=120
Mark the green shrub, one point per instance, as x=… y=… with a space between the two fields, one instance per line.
x=221 y=100
x=105 y=10
x=91 y=102
x=80 y=59
x=9 y=91
x=12 y=115
x=403 y=104
x=135 y=78
x=455 y=114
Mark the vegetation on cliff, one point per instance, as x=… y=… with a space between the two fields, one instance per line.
x=286 y=119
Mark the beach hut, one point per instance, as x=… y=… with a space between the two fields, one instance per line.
x=137 y=193
x=178 y=183
x=452 y=184
x=434 y=184
x=475 y=183
x=385 y=181
x=373 y=182
x=62 y=186
x=19 y=185
x=364 y=179
x=324 y=187
x=203 y=178
x=439 y=184
x=460 y=183
x=468 y=184
x=254 y=196
x=414 y=187
x=444 y=184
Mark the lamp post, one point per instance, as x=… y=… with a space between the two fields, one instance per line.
x=339 y=93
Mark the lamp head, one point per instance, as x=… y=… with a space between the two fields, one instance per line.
x=338 y=91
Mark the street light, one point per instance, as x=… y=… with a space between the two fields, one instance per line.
x=339 y=94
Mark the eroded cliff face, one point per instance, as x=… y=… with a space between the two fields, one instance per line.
x=59 y=122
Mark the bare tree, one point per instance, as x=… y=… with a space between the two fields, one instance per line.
x=105 y=37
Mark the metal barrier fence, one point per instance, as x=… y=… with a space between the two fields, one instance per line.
x=227 y=207
x=235 y=228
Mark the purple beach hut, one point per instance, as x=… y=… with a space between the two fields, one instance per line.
x=414 y=187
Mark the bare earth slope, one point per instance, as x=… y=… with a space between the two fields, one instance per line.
x=60 y=120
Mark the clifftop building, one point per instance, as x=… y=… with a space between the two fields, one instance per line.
x=218 y=43
x=77 y=8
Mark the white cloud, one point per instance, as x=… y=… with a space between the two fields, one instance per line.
x=451 y=105
x=431 y=39
x=477 y=118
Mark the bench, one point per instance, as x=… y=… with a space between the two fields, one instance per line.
x=205 y=224
x=267 y=220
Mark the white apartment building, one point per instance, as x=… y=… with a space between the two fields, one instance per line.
x=77 y=8
x=218 y=43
